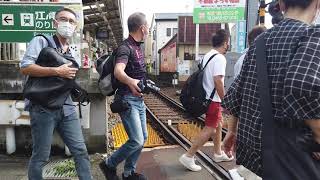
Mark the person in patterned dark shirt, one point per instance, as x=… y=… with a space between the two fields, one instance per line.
x=130 y=69
x=293 y=61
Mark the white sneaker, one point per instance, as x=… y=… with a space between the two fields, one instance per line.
x=189 y=163
x=222 y=157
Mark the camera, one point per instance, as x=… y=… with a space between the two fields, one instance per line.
x=148 y=86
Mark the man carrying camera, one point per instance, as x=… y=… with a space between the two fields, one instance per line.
x=45 y=120
x=130 y=69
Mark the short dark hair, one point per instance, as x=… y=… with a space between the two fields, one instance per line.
x=136 y=20
x=220 y=37
x=254 y=33
x=65 y=9
x=297 y=3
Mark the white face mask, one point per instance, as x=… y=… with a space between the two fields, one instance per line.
x=65 y=29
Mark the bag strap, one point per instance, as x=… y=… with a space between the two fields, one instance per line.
x=57 y=42
x=266 y=109
x=55 y=38
x=46 y=38
x=208 y=61
x=214 y=90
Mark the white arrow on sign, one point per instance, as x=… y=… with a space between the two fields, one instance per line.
x=7 y=20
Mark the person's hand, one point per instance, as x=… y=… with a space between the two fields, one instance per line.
x=66 y=71
x=133 y=85
x=228 y=144
x=316 y=155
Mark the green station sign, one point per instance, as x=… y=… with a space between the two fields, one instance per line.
x=20 y=22
x=218 y=15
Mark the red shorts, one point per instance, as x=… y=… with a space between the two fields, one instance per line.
x=213 y=115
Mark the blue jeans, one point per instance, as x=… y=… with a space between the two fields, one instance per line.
x=135 y=124
x=43 y=123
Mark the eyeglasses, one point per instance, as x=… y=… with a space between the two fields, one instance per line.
x=64 y=19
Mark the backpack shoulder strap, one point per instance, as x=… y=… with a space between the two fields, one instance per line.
x=208 y=61
x=57 y=42
x=46 y=38
x=214 y=90
x=266 y=108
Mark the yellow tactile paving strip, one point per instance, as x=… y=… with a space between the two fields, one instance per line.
x=189 y=129
x=120 y=137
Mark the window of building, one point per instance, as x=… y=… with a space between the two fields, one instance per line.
x=188 y=56
x=174 y=31
x=168 y=32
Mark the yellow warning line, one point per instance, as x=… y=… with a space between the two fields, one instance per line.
x=120 y=136
x=189 y=129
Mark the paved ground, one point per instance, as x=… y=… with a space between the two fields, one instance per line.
x=156 y=164
x=12 y=168
x=15 y=167
x=163 y=164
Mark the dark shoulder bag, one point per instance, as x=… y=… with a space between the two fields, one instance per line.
x=50 y=92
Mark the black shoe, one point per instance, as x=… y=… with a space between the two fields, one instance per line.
x=134 y=176
x=109 y=173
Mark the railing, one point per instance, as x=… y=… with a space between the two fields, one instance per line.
x=9 y=51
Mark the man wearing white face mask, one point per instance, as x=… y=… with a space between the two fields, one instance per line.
x=65 y=120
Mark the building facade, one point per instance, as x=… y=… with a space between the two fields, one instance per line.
x=163 y=27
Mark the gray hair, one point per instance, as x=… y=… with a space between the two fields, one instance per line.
x=67 y=10
x=136 y=20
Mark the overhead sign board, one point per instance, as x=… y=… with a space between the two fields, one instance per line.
x=218 y=11
x=21 y=22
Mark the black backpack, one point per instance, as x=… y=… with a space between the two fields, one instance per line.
x=105 y=67
x=193 y=95
x=107 y=83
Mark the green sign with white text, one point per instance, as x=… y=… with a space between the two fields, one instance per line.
x=218 y=15
x=20 y=22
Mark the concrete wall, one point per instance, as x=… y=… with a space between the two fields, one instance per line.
x=193 y=65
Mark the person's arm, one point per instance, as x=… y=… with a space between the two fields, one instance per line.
x=125 y=79
x=230 y=139
x=314 y=125
x=233 y=124
x=38 y=71
x=28 y=66
x=219 y=85
x=302 y=82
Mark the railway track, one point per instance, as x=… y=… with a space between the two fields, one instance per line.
x=172 y=118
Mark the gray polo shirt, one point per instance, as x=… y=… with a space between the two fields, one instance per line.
x=30 y=57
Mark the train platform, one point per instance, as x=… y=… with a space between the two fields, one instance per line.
x=163 y=164
x=159 y=163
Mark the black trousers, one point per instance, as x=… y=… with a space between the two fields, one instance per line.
x=291 y=161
